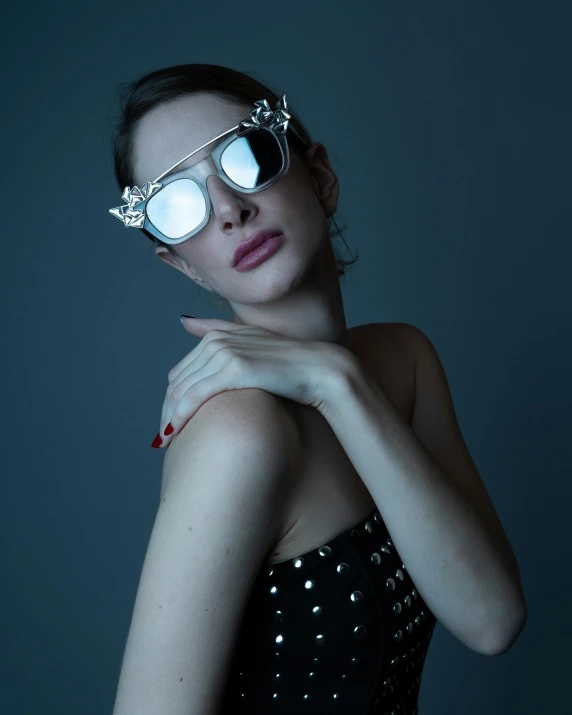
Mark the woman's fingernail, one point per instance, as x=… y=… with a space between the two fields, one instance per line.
x=168 y=429
x=157 y=442
x=186 y=316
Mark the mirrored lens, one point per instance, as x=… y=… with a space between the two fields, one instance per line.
x=177 y=209
x=252 y=160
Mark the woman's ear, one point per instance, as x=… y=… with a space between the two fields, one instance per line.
x=168 y=257
x=323 y=177
x=172 y=259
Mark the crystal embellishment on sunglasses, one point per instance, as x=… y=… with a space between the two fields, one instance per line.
x=264 y=117
x=128 y=214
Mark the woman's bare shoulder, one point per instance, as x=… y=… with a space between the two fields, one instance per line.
x=252 y=417
x=220 y=517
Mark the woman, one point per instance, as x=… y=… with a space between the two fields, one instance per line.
x=319 y=509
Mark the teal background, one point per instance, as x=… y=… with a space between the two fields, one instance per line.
x=448 y=124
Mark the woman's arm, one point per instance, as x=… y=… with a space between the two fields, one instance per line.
x=432 y=499
x=227 y=477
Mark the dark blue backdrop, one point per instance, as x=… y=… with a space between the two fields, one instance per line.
x=448 y=124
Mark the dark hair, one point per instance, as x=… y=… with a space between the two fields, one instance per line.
x=140 y=96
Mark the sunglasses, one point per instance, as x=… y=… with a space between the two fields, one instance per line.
x=254 y=156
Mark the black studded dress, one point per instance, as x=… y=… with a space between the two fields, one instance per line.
x=340 y=629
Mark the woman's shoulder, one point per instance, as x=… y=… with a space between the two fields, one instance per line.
x=236 y=420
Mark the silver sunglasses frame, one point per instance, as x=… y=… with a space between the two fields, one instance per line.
x=134 y=213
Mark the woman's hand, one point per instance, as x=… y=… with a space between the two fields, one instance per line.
x=233 y=357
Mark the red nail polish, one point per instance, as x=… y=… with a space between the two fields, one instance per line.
x=157 y=442
x=168 y=429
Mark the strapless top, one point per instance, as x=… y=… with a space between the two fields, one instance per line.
x=340 y=629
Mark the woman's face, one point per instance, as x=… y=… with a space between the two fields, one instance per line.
x=299 y=204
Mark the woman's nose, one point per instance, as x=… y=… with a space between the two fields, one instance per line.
x=226 y=202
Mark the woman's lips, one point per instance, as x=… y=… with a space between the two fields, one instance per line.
x=260 y=253
x=257 y=239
